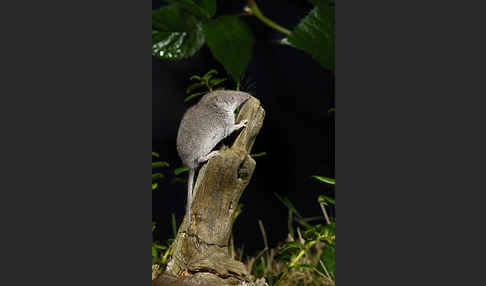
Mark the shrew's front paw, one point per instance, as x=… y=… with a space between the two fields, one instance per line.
x=243 y=123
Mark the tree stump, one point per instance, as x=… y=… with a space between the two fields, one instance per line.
x=200 y=255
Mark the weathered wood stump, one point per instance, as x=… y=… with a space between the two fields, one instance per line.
x=200 y=254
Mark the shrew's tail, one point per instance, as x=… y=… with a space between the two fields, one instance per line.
x=190 y=180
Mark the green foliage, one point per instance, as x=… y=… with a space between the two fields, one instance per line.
x=181 y=28
x=160 y=252
x=315 y=34
x=327 y=260
x=207 y=82
x=238 y=211
x=157 y=176
x=160 y=164
x=176 y=34
x=310 y=253
x=174 y=225
x=231 y=42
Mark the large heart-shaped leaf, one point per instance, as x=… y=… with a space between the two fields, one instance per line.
x=315 y=34
x=176 y=34
x=231 y=43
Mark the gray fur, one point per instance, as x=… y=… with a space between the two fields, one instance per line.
x=203 y=126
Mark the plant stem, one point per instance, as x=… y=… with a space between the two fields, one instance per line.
x=325 y=269
x=262 y=229
x=326 y=217
x=256 y=11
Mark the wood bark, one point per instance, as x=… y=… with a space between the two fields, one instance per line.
x=200 y=254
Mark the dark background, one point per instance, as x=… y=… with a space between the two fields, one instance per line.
x=297 y=134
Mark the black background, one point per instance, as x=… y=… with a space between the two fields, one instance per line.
x=297 y=133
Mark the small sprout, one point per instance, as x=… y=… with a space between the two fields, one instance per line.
x=205 y=81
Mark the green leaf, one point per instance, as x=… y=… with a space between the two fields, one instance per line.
x=157 y=176
x=328 y=259
x=216 y=81
x=200 y=8
x=255 y=155
x=160 y=164
x=238 y=211
x=160 y=247
x=180 y=170
x=195 y=77
x=315 y=34
x=325 y=179
x=231 y=43
x=174 y=225
x=194 y=95
x=154 y=252
x=325 y=199
x=154 y=186
x=175 y=33
x=156 y=155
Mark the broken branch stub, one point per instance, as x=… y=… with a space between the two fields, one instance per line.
x=201 y=252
